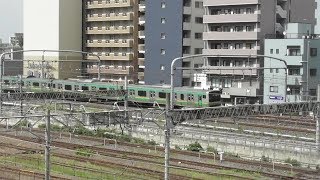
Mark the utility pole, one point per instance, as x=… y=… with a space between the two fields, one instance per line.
x=20 y=89
x=317 y=118
x=126 y=93
x=167 y=139
x=47 y=150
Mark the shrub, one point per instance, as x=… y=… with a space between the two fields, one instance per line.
x=195 y=147
x=84 y=152
x=294 y=162
x=212 y=149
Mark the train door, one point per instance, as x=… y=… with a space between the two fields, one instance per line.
x=200 y=101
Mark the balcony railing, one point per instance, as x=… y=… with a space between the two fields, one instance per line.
x=109 y=4
x=110 y=70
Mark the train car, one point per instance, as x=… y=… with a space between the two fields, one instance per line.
x=145 y=94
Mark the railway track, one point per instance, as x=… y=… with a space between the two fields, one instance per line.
x=22 y=174
x=134 y=156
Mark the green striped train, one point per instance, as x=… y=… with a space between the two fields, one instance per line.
x=144 y=94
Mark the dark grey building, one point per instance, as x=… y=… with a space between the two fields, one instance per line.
x=173 y=29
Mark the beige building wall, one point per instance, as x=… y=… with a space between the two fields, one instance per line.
x=111 y=32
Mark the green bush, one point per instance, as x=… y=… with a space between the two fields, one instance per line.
x=212 y=149
x=195 y=147
x=265 y=159
x=177 y=147
x=84 y=152
x=152 y=142
x=294 y=162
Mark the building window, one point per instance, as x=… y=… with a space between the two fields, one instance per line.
x=239 y=28
x=248 y=11
x=163 y=5
x=313 y=92
x=163 y=20
x=197 y=50
x=163 y=51
x=163 y=35
x=277 y=51
x=199 y=20
x=271 y=51
x=313 y=51
x=313 y=72
x=274 y=89
x=293 y=51
x=249 y=28
x=271 y=70
x=294 y=70
x=198 y=35
x=198 y=4
x=227 y=83
x=277 y=70
x=238 y=46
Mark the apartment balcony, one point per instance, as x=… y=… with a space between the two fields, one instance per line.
x=142 y=20
x=187 y=10
x=186 y=42
x=231 y=52
x=246 y=92
x=141 y=48
x=142 y=35
x=186 y=26
x=141 y=74
x=142 y=7
x=110 y=4
x=111 y=17
x=281 y=12
x=229 y=2
x=113 y=57
x=110 y=43
x=110 y=30
x=294 y=80
x=231 y=18
x=141 y=62
x=226 y=70
x=110 y=70
x=222 y=36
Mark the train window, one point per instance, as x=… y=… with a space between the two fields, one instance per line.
x=162 y=95
x=68 y=87
x=142 y=93
x=76 y=87
x=175 y=96
x=102 y=89
x=85 y=88
x=152 y=94
x=190 y=97
x=204 y=97
x=54 y=85
x=35 y=84
x=132 y=92
x=6 y=81
x=93 y=88
x=182 y=96
x=59 y=86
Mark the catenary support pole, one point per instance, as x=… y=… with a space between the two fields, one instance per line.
x=47 y=150
x=317 y=118
x=167 y=139
x=21 y=100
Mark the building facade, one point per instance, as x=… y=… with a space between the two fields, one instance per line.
x=111 y=32
x=299 y=49
x=234 y=36
x=172 y=29
x=13 y=64
x=52 y=25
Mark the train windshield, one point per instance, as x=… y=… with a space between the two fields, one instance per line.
x=214 y=96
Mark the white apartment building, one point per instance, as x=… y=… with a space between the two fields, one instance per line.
x=52 y=25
